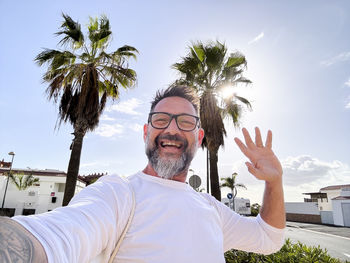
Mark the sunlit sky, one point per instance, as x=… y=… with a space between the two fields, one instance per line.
x=298 y=55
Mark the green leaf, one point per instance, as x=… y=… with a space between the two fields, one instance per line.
x=199 y=52
x=234 y=61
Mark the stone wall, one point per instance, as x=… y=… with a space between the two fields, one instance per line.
x=304 y=218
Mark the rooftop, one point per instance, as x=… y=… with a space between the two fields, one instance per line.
x=335 y=187
x=341 y=198
x=50 y=172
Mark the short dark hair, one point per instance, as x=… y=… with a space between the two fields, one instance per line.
x=185 y=92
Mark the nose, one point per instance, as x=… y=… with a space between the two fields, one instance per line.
x=172 y=128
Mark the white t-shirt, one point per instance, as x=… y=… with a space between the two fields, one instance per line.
x=172 y=223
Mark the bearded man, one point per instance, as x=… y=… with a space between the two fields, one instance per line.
x=171 y=222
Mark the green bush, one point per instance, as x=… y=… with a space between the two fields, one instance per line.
x=255 y=209
x=289 y=253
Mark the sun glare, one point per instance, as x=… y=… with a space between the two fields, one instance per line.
x=227 y=92
x=239 y=90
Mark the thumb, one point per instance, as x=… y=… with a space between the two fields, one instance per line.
x=254 y=171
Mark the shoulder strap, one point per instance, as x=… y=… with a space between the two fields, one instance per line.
x=127 y=225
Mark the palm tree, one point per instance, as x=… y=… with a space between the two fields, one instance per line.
x=230 y=182
x=81 y=78
x=22 y=182
x=209 y=69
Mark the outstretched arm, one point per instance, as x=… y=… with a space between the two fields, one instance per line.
x=264 y=165
x=19 y=245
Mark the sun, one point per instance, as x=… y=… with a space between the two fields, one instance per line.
x=227 y=92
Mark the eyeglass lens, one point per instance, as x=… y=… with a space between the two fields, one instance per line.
x=184 y=122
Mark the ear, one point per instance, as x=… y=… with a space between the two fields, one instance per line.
x=145 y=128
x=200 y=136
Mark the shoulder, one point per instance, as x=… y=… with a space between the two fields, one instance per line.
x=107 y=187
x=212 y=200
x=222 y=209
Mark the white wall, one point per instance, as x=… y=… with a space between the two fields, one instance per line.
x=337 y=212
x=308 y=208
x=327 y=206
x=240 y=205
x=41 y=201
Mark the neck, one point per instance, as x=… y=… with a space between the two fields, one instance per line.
x=181 y=177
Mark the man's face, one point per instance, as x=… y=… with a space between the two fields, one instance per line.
x=171 y=150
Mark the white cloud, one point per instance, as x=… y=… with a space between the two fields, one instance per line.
x=109 y=130
x=301 y=174
x=127 y=107
x=345 y=56
x=305 y=169
x=347 y=106
x=105 y=117
x=257 y=38
x=347 y=83
x=135 y=127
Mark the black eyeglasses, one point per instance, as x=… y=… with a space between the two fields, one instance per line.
x=161 y=120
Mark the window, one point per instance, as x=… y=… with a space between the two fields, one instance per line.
x=27 y=212
x=61 y=187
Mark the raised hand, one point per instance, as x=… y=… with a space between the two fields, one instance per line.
x=264 y=164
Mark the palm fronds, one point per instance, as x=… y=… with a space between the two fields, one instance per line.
x=82 y=77
x=22 y=182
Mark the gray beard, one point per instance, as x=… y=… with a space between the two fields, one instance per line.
x=168 y=167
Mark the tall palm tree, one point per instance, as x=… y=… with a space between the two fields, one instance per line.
x=81 y=77
x=230 y=182
x=22 y=182
x=209 y=69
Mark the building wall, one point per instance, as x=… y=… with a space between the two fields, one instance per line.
x=327 y=217
x=327 y=206
x=304 y=218
x=308 y=208
x=337 y=211
x=306 y=212
x=242 y=205
x=40 y=197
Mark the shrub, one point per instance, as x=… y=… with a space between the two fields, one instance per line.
x=255 y=209
x=289 y=253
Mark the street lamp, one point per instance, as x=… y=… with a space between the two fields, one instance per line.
x=233 y=191
x=8 y=176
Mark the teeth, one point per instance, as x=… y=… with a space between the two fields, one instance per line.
x=170 y=144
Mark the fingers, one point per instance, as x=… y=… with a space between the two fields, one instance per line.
x=241 y=146
x=247 y=138
x=250 y=146
x=258 y=140
x=268 y=143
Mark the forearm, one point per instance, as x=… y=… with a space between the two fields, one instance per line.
x=18 y=244
x=272 y=210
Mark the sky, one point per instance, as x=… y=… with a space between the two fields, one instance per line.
x=298 y=55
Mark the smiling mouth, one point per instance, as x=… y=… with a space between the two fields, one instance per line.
x=173 y=144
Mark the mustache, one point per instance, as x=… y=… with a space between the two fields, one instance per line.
x=171 y=137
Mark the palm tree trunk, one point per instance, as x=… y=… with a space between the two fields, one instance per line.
x=214 y=176
x=208 y=180
x=73 y=166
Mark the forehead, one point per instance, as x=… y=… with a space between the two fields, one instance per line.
x=175 y=105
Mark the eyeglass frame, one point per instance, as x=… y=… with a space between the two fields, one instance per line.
x=174 y=116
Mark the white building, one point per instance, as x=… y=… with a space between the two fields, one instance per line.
x=330 y=205
x=44 y=196
x=341 y=208
x=242 y=205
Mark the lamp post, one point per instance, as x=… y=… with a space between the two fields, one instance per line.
x=8 y=176
x=233 y=191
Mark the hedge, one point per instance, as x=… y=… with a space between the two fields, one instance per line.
x=289 y=253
